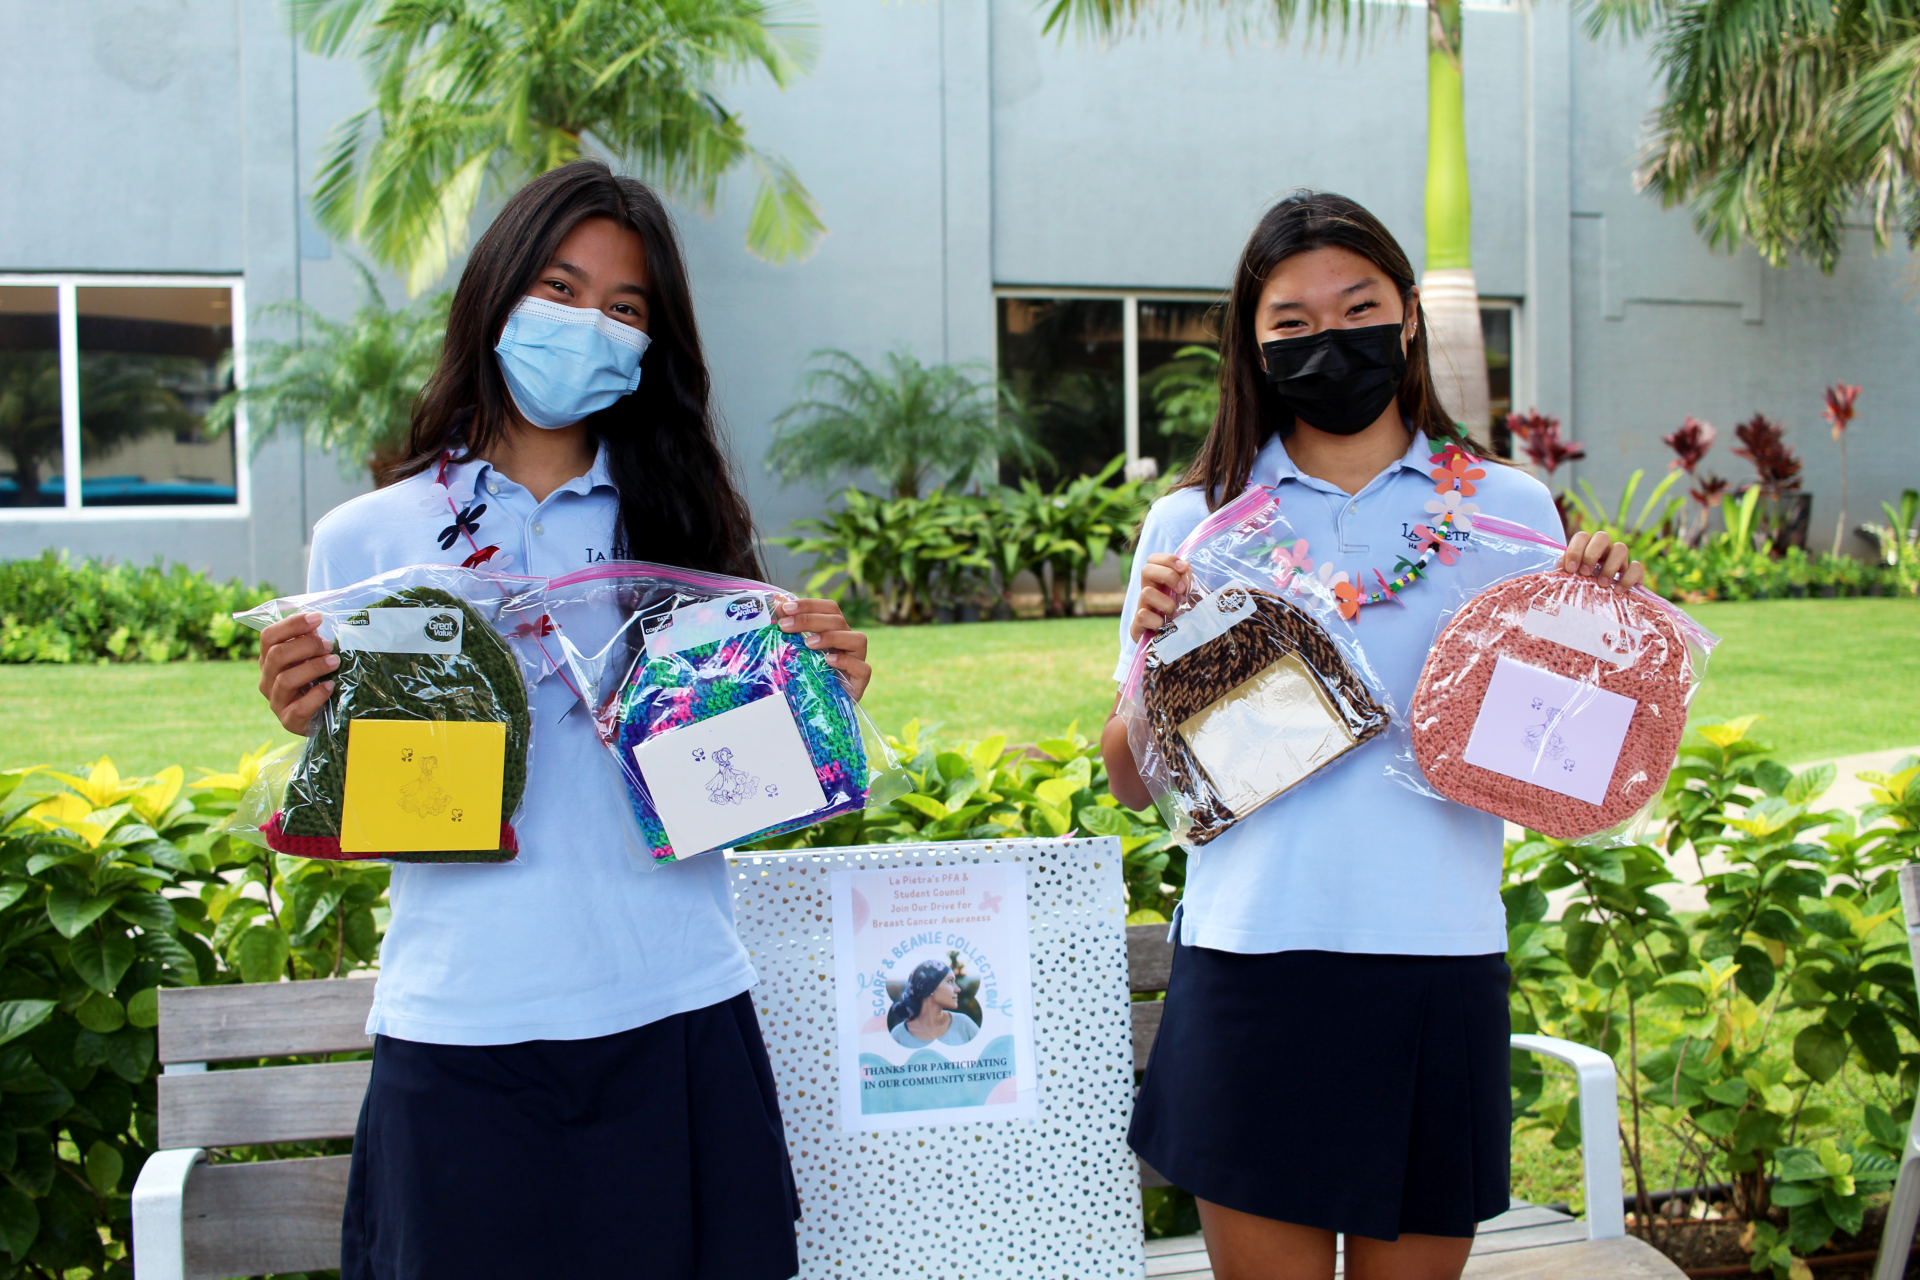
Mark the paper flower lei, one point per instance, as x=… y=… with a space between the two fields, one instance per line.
x=1453 y=470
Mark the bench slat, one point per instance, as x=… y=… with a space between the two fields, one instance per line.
x=1149 y=957
x=262 y=1104
x=253 y=1219
x=264 y=1020
x=1146 y=1026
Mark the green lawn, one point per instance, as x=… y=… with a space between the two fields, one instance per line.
x=1832 y=677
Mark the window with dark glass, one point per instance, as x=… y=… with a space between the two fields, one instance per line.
x=1496 y=332
x=30 y=435
x=152 y=362
x=1179 y=378
x=1064 y=360
x=106 y=383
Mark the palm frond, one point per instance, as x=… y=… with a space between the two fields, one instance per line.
x=472 y=95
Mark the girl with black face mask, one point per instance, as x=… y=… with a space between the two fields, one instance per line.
x=1333 y=1055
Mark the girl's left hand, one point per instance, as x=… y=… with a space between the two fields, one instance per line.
x=826 y=630
x=1598 y=555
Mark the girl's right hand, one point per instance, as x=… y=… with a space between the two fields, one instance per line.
x=294 y=665
x=1164 y=582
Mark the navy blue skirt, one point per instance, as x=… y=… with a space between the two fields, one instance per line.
x=1364 y=1094
x=657 y=1151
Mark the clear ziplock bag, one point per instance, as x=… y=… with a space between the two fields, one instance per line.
x=420 y=753
x=724 y=728
x=1253 y=686
x=1552 y=699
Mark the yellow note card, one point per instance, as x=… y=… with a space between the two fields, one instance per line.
x=415 y=786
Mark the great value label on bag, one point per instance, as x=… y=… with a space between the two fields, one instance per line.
x=402 y=629
x=1592 y=632
x=693 y=625
x=1212 y=617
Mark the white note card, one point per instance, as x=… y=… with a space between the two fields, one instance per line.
x=718 y=780
x=1545 y=729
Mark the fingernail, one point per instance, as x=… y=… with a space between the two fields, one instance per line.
x=813 y=642
x=314 y=619
x=333 y=660
x=328 y=686
x=786 y=624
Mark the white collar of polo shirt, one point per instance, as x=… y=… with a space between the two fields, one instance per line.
x=596 y=476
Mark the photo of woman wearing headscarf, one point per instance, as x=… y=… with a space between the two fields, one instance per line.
x=928 y=1011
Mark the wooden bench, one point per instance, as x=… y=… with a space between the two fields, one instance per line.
x=1526 y=1240
x=198 y=1221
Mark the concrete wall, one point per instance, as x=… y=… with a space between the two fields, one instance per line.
x=953 y=147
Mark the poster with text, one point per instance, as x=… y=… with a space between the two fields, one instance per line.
x=935 y=996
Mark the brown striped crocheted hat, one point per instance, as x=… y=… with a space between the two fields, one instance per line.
x=1250 y=713
x=1538 y=632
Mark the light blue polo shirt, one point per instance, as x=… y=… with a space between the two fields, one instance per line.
x=1350 y=860
x=570 y=940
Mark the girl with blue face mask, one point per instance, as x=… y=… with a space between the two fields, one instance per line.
x=568 y=1076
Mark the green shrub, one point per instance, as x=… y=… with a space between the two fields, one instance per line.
x=53 y=610
x=991 y=791
x=907 y=556
x=1730 y=1027
x=111 y=888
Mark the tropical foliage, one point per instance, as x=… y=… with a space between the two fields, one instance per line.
x=908 y=424
x=1186 y=391
x=474 y=97
x=908 y=556
x=1772 y=1035
x=1778 y=119
x=346 y=387
x=54 y=610
x=991 y=790
x=111 y=888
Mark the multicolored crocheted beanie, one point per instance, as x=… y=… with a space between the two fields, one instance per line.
x=482 y=682
x=669 y=691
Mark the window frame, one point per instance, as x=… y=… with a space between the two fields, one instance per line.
x=1130 y=300
x=66 y=304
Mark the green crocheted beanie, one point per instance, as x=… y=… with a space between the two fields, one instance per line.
x=480 y=683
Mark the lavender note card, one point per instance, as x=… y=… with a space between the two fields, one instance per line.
x=1545 y=729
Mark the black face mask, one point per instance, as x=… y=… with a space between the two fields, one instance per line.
x=1339 y=380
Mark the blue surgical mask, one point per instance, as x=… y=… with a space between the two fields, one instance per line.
x=563 y=363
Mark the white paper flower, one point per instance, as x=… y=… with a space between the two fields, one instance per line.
x=1463 y=511
x=436 y=497
x=1328 y=575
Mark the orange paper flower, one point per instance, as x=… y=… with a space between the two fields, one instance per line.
x=1350 y=598
x=1458 y=469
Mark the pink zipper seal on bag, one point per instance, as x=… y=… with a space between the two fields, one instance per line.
x=1520 y=533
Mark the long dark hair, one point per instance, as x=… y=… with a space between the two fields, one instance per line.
x=1250 y=411
x=679 y=503
x=926 y=975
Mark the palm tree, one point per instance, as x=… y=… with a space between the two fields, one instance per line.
x=478 y=95
x=346 y=387
x=905 y=422
x=1778 y=118
x=1447 y=289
